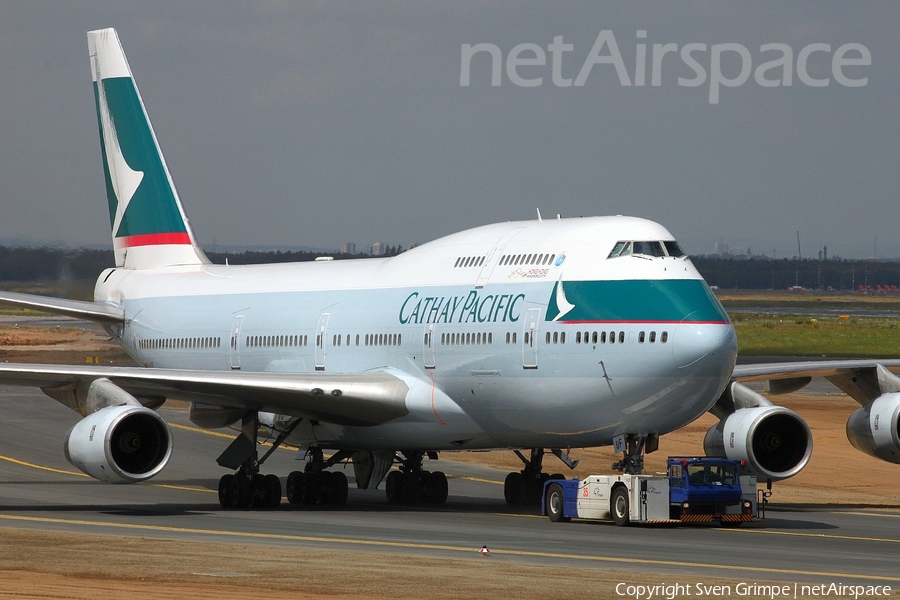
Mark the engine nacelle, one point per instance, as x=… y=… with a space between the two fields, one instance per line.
x=775 y=442
x=120 y=444
x=875 y=428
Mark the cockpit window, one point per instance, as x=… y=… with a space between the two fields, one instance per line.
x=620 y=249
x=673 y=249
x=648 y=248
x=651 y=248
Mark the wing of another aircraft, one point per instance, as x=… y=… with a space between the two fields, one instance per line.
x=91 y=311
x=859 y=379
x=369 y=398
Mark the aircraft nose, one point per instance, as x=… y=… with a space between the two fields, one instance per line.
x=693 y=342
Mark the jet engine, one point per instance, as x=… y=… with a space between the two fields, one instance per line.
x=775 y=442
x=120 y=444
x=875 y=428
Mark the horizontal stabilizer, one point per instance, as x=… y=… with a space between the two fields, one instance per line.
x=91 y=311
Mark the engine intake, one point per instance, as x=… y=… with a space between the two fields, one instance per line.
x=120 y=444
x=775 y=442
x=875 y=428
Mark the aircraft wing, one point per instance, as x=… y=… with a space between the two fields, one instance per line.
x=857 y=378
x=367 y=398
x=91 y=311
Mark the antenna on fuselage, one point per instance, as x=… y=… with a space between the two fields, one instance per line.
x=539 y=215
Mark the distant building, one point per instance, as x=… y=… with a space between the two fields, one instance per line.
x=721 y=248
x=348 y=248
x=378 y=249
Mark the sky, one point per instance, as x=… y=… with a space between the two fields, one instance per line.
x=290 y=124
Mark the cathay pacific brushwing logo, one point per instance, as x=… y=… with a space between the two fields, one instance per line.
x=124 y=179
x=562 y=303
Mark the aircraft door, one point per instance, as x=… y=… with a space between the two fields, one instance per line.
x=428 y=351
x=529 y=338
x=320 y=341
x=235 y=343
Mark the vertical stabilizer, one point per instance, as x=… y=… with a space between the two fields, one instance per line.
x=149 y=227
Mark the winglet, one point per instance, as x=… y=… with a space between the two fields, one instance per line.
x=149 y=226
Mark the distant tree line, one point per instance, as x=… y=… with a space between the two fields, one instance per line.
x=765 y=274
x=66 y=264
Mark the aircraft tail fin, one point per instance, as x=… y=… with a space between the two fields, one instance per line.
x=149 y=226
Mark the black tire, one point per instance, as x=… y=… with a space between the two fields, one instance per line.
x=514 y=489
x=295 y=485
x=325 y=484
x=312 y=490
x=439 y=489
x=273 y=491
x=412 y=488
x=339 y=488
x=241 y=492
x=554 y=503
x=619 y=507
x=225 y=491
x=393 y=487
x=259 y=497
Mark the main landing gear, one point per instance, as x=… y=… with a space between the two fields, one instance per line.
x=315 y=485
x=247 y=488
x=525 y=487
x=412 y=485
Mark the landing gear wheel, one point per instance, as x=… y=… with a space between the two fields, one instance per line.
x=295 y=485
x=241 y=492
x=514 y=489
x=438 y=488
x=225 y=491
x=339 y=488
x=259 y=492
x=393 y=487
x=618 y=506
x=273 y=491
x=553 y=503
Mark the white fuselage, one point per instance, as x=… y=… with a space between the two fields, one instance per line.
x=494 y=352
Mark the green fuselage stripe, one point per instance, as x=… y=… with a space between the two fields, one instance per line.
x=642 y=300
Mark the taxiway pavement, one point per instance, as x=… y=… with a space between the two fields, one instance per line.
x=39 y=489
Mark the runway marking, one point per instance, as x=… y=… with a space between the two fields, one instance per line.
x=405 y=545
x=64 y=472
x=829 y=536
x=40 y=467
x=866 y=514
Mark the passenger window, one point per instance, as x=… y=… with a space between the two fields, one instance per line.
x=548 y=337
x=562 y=337
x=622 y=337
x=594 y=337
x=514 y=337
x=555 y=337
x=602 y=337
x=664 y=337
x=641 y=337
x=578 y=337
x=612 y=337
x=652 y=337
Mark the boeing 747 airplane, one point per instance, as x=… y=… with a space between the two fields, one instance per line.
x=533 y=336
